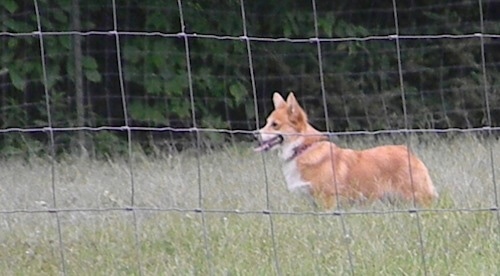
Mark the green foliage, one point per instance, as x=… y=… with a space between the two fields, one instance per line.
x=10 y=5
x=444 y=83
x=23 y=145
x=160 y=66
x=23 y=58
x=147 y=113
x=106 y=144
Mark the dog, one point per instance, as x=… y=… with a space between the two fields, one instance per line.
x=331 y=174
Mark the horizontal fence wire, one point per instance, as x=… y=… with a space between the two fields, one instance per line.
x=246 y=132
x=253 y=212
x=254 y=38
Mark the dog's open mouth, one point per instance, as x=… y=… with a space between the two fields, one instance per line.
x=269 y=144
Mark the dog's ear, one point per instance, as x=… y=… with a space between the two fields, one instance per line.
x=293 y=105
x=278 y=100
x=294 y=110
x=291 y=100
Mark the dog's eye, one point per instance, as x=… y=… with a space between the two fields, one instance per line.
x=274 y=125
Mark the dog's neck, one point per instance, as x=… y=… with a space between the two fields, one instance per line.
x=301 y=145
x=297 y=151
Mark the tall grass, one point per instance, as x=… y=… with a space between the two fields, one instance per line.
x=234 y=235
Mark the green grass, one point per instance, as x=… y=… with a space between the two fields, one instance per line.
x=175 y=242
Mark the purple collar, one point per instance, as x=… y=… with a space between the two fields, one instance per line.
x=298 y=150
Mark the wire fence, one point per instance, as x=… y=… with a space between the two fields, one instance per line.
x=195 y=131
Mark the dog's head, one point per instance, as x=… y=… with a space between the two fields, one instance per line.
x=284 y=125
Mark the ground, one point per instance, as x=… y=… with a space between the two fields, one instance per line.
x=96 y=234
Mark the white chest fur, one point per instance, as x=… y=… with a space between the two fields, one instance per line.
x=293 y=178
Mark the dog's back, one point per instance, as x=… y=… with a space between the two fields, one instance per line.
x=365 y=175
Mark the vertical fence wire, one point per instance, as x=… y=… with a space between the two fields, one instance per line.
x=408 y=142
x=200 y=209
x=343 y=222
x=50 y=131
x=486 y=88
x=272 y=231
x=129 y=137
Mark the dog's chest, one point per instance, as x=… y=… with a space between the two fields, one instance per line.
x=293 y=178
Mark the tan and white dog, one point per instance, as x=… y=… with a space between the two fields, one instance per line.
x=328 y=172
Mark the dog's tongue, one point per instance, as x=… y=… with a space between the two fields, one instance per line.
x=261 y=147
x=267 y=145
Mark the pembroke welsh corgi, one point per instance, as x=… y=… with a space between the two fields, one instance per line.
x=329 y=173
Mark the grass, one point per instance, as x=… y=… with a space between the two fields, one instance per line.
x=162 y=239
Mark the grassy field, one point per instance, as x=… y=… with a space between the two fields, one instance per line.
x=166 y=237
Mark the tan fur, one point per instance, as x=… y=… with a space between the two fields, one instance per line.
x=350 y=175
